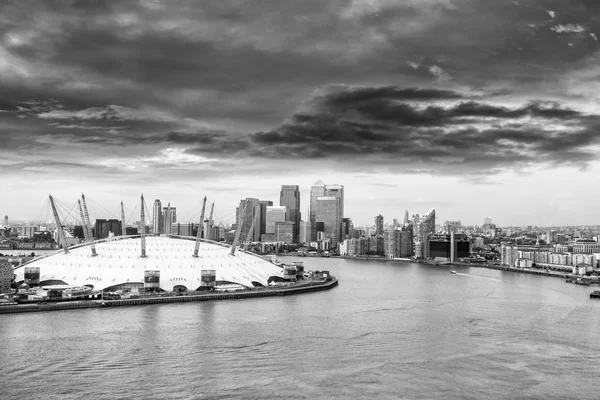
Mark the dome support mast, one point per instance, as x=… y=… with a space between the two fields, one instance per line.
x=59 y=228
x=88 y=225
x=200 y=228
x=238 y=231
x=143 y=228
x=123 y=229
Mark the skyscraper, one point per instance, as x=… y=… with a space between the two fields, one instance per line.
x=289 y=197
x=170 y=217
x=424 y=227
x=328 y=213
x=379 y=224
x=253 y=206
x=319 y=189
x=263 y=216
x=157 y=219
x=274 y=215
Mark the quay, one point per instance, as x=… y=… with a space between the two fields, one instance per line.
x=299 y=288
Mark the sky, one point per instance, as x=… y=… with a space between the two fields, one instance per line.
x=473 y=107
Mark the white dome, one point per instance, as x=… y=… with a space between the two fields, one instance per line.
x=118 y=262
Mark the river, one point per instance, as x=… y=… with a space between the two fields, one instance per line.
x=388 y=331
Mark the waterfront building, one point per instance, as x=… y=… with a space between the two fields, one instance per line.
x=422 y=228
x=6 y=277
x=391 y=243
x=379 y=224
x=274 y=215
x=449 y=247
x=477 y=242
x=289 y=197
x=327 y=213
x=107 y=227
x=316 y=190
x=406 y=242
x=157 y=218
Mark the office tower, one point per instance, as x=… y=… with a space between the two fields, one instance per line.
x=253 y=206
x=395 y=223
x=6 y=277
x=263 y=216
x=157 y=218
x=487 y=221
x=284 y=231
x=316 y=190
x=379 y=224
x=406 y=220
x=319 y=189
x=289 y=197
x=274 y=215
x=208 y=229
x=305 y=232
x=6 y=220
x=328 y=213
x=170 y=217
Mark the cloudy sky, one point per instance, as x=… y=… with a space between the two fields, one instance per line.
x=473 y=107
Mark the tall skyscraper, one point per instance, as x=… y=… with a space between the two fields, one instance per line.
x=263 y=216
x=319 y=189
x=253 y=206
x=289 y=197
x=328 y=213
x=406 y=220
x=316 y=190
x=379 y=224
x=170 y=217
x=157 y=218
x=424 y=227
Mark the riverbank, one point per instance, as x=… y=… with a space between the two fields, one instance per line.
x=556 y=274
x=298 y=288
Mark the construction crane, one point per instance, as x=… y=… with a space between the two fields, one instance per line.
x=59 y=227
x=123 y=229
x=238 y=231
x=143 y=228
x=251 y=230
x=200 y=228
x=86 y=233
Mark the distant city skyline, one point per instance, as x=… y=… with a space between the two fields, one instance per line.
x=474 y=108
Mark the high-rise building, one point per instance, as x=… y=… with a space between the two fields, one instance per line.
x=289 y=197
x=316 y=190
x=252 y=207
x=157 y=218
x=305 y=232
x=452 y=226
x=319 y=189
x=406 y=220
x=347 y=228
x=423 y=227
x=274 y=215
x=170 y=217
x=328 y=208
x=263 y=215
x=379 y=224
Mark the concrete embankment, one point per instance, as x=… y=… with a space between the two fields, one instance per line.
x=298 y=288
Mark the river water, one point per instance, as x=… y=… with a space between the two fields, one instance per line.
x=388 y=331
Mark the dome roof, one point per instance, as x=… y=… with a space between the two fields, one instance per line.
x=118 y=262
